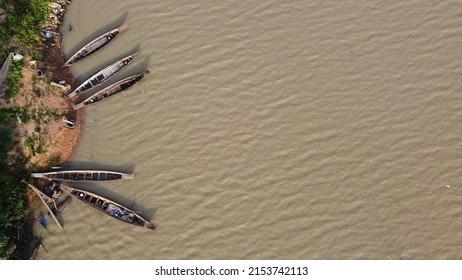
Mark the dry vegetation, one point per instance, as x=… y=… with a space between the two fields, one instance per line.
x=32 y=133
x=41 y=127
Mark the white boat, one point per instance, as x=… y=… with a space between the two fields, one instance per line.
x=83 y=175
x=103 y=75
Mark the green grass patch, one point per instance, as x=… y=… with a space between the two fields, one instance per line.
x=6 y=144
x=13 y=79
x=12 y=212
x=12 y=115
x=12 y=192
x=24 y=20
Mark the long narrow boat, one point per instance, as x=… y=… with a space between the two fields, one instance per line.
x=95 y=45
x=104 y=74
x=111 y=90
x=83 y=176
x=109 y=207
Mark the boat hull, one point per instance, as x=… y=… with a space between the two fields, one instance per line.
x=95 y=45
x=83 y=176
x=110 y=208
x=103 y=75
x=111 y=90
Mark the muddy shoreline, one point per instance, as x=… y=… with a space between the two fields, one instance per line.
x=66 y=140
x=62 y=140
x=42 y=136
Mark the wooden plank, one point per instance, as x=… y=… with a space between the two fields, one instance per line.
x=40 y=193
x=54 y=203
x=43 y=201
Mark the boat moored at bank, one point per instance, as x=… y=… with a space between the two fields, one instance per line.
x=109 y=207
x=111 y=90
x=95 y=45
x=83 y=176
x=103 y=75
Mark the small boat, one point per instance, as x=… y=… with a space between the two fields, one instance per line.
x=83 y=176
x=95 y=45
x=43 y=222
x=104 y=74
x=111 y=90
x=37 y=245
x=109 y=207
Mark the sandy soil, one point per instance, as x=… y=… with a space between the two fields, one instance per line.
x=47 y=106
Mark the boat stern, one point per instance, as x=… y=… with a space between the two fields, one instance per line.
x=150 y=226
x=38 y=175
x=127 y=176
x=145 y=73
x=72 y=94
x=123 y=27
x=78 y=106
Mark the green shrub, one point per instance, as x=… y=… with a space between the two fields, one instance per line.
x=10 y=115
x=13 y=79
x=6 y=144
x=12 y=212
x=24 y=20
x=30 y=141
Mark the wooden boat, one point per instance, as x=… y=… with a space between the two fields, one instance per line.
x=111 y=90
x=38 y=244
x=83 y=176
x=95 y=45
x=109 y=207
x=103 y=75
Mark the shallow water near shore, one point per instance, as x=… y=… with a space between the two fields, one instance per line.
x=273 y=131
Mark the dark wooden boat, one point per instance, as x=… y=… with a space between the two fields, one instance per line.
x=95 y=45
x=111 y=90
x=83 y=176
x=103 y=75
x=37 y=244
x=109 y=207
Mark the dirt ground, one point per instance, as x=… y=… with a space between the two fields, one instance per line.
x=47 y=106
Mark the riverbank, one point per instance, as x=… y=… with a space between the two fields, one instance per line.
x=41 y=135
x=37 y=137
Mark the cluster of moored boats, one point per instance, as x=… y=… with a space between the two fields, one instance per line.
x=104 y=74
x=100 y=203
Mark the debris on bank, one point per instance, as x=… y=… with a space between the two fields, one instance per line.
x=62 y=86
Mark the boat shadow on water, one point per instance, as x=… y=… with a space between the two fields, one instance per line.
x=91 y=165
x=118 y=22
